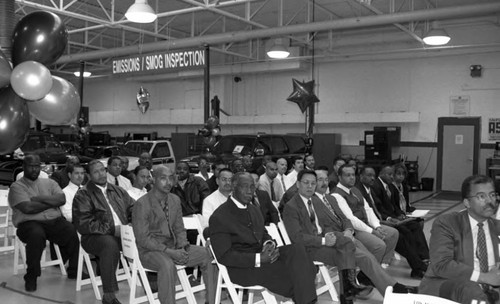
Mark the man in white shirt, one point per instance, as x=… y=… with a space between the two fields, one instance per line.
x=282 y=167
x=270 y=183
x=76 y=175
x=379 y=239
x=214 y=200
x=291 y=178
x=114 y=173
x=142 y=177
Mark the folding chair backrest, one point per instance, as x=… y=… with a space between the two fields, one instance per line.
x=193 y=222
x=129 y=248
x=272 y=230
x=284 y=234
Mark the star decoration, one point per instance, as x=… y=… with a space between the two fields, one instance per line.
x=303 y=94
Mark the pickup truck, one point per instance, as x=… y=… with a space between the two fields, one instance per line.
x=160 y=150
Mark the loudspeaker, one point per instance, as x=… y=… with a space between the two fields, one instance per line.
x=476 y=70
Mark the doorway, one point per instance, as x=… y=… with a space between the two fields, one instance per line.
x=458 y=151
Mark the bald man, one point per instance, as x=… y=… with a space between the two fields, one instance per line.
x=161 y=237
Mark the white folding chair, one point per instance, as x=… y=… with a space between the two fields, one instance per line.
x=94 y=280
x=224 y=281
x=272 y=230
x=193 y=222
x=5 y=223
x=411 y=298
x=323 y=270
x=130 y=252
x=19 y=250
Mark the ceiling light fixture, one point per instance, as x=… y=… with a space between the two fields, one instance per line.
x=141 y=12
x=436 y=36
x=278 y=50
x=85 y=74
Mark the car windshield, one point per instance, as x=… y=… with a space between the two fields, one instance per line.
x=234 y=144
x=136 y=148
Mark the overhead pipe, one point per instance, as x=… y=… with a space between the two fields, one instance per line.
x=339 y=24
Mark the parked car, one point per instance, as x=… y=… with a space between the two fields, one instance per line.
x=231 y=147
x=51 y=151
x=160 y=150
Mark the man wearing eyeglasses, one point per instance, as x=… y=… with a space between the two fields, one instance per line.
x=219 y=197
x=464 y=247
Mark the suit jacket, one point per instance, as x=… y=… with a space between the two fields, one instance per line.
x=327 y=220
x=287 y=197
x=192 y=196
x=153 y=231
x=385 y=205
x=368 y=199
x=237 y=235
x=451 y=250
x=267 y=208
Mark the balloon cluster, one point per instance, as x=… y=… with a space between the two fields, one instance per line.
x=82 y=129
x=210 y=131
x=39 y=39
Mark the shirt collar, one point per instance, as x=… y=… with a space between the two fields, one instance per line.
x=73 y=185
x=339 y=185
x=238 y=204
x=304 y=199
x=368 y=190
x=321 y=196
x=383 y=183
x=103 y=189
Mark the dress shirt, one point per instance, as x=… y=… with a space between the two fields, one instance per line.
x=489 y=247
x=356 y=222
x=136 y=193
x=210 y=204
x=265 y=185
x=290 y=179
x=116 y=219
x=69 y=192
x=122 y=181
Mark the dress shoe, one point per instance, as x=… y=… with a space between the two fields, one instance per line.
x=363 y=279
x=400 y=288
x=29 y=284
x=417 y=274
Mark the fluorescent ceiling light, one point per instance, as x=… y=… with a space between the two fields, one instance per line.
x=141 y=12
x=437 y=36
x=278 y=50
x=85 y=74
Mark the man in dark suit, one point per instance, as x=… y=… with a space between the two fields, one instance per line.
x=262 y=200
x=241 y=243
x=464 y=247
x=308 y=220
x=384 y=195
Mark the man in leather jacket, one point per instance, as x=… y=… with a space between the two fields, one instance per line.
x=99 y=208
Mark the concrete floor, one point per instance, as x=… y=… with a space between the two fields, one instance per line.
x=54 y=288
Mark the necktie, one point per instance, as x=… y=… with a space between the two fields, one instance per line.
x=402 y=200
x=273 y=196
x=327 y=204
x=389 y=194
x=482 y=253
x=312 y=215
x=164 y=205
x=116 y=181
x=283 y=183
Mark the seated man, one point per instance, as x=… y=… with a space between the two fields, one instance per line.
x=305 y=221
x=161 y=238
x=192 y=190
x=241 y=243
x=262 y=200
x=99 y=209
x=219 y=197
x=62 y=176
x=35 y=203
x=76 y=175
x=270 y=183
x=464 y=247
x=379 y=239
x=386 y=199
x=114 y=173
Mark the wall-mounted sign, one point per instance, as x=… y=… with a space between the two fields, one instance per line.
x=494 y=129
x=460 y=105
x=159 y=62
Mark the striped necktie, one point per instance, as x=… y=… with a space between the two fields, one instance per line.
x=482 y=252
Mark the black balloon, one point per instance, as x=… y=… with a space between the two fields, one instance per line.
x=303 y=94
x=14 y=121
x=39 y=36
